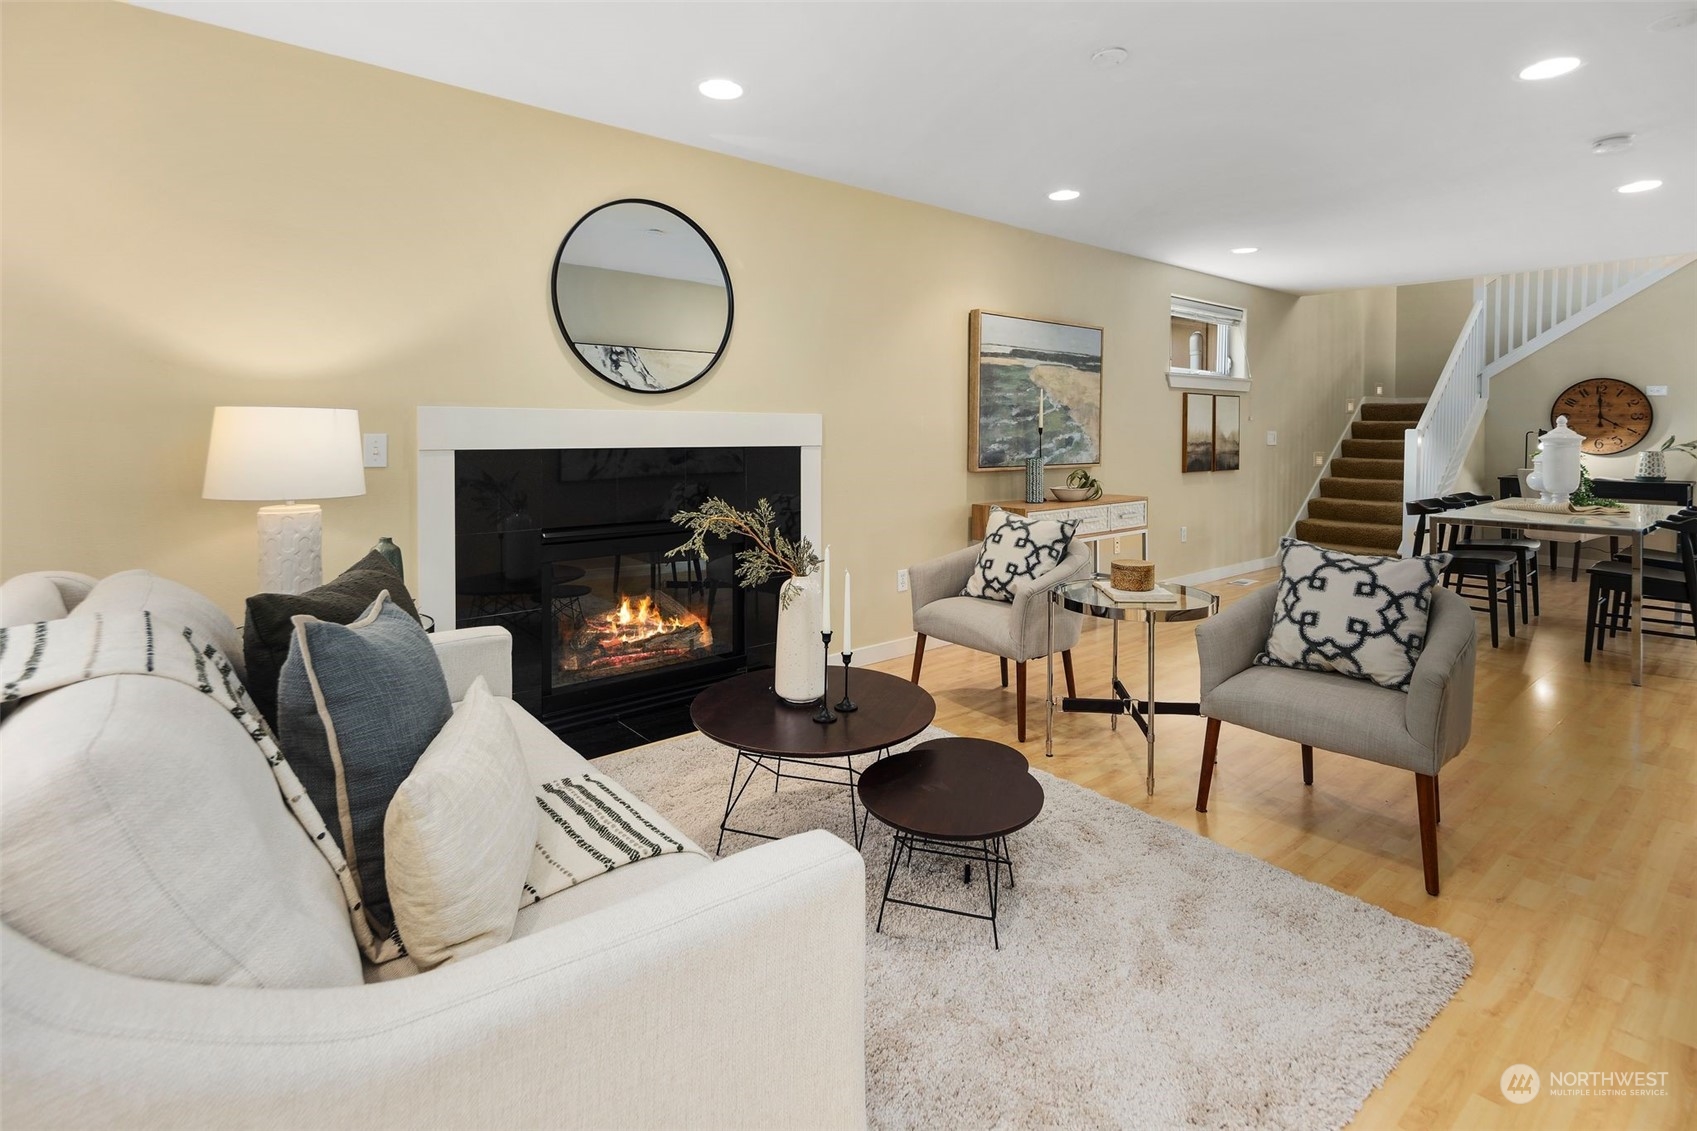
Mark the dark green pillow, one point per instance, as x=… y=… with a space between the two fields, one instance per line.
x=270 y=620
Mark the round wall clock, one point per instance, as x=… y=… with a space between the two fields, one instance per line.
x=1612 y=415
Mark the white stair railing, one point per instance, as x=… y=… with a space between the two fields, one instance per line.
x=1527 y=310
x=1436 y=447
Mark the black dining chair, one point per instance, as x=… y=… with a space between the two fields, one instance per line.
x=1525 y=549
x=1673 y=588
x=1492 y=568
x=1669 y=558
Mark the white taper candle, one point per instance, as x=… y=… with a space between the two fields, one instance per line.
x=848 y=612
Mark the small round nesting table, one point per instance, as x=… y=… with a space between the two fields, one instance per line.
x=745 y=714
x=1187 y=602
x=953 y=797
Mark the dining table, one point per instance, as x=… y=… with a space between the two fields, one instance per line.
x=1632 y=523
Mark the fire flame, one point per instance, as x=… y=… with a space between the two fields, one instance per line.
x=644 y=619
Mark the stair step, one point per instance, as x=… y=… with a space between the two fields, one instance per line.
x=1342 y=487
x=1368 y=469
x=1373 y=449
x=1357 y=510
x=1393 y=410
x=1379 y=429
x=1360 y=551
x=1383 y=539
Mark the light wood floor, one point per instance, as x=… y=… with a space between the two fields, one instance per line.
x=1568 y=850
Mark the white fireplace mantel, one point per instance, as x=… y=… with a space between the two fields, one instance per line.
x=442 y=431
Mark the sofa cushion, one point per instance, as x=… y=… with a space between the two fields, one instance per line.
x=357 y=704
x=969 y=622
x=30 y=598
x=1357 y=615
x=270 y=620
x=1359 y=718
x=137 y=590
x=143 y=834
x=1016 y=549
x=459 y=835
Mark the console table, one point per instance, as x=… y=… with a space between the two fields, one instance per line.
x=1109 y=516
x=1675 y=492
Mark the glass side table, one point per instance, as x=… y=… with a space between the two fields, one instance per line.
x=1084 y=597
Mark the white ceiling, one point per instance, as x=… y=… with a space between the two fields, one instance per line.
x=1354 y=143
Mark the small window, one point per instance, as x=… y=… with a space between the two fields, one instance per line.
x=1207 y=341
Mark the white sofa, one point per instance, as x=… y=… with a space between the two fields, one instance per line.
x=673 y=992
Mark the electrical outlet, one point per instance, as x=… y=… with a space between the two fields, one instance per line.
x=1116 y=545
x=1184 y=534
x=1319 y=459
x=376 y=449
x=901 y=581
x=1272 y=439
x=1378 y=390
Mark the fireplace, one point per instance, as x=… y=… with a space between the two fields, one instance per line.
x=568 y=550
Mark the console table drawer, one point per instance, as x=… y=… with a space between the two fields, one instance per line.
x=1111 y=514
x=1125 y=516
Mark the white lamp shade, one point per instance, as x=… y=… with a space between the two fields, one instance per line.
x=284 y=453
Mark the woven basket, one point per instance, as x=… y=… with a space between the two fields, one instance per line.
x=1133 y=576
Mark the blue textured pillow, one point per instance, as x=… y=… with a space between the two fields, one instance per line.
x=357 y=704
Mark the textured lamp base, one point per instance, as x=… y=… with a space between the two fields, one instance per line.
x=291 y=548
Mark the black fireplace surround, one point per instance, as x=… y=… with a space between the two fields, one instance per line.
x=566 y=548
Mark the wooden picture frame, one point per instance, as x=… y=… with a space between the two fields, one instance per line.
x=1011 y=358
x=1196 y=436
x=1228 y=432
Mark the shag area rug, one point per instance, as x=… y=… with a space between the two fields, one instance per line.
x=1148 y=977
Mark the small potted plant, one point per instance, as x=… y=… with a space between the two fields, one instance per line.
x=798 y=665
x=1653 y=464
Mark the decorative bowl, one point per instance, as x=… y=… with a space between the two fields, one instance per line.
x=1069 y=494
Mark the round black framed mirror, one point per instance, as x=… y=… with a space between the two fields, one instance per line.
x=642 y=296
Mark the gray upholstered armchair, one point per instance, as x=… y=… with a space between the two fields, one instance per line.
x=1419 y=729
x=1017 y=632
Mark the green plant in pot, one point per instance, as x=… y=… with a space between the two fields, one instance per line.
x=798 y=667
x=1653 y=464
x=1083 y=480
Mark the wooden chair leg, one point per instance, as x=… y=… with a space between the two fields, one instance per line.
x=1437 y=803
x=1210 y=743
x=1004 y=660
x=918 y=655
x=1525 y=587
x=1019 y=680
x=1426 y=800
x=1066 y=662
x=1508 y=600
x=1493 y=603
x=1307 y=764
x=1590 y=621
x=1537 y=597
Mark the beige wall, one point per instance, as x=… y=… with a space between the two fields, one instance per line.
x=1650 y=339
x=194 y=217
x=1429 y=317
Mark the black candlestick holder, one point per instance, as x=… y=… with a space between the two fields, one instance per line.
x=847 y=704
x=824 y=715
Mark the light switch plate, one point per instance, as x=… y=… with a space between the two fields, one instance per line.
x=1272 y=439
x=1656 y=390
x=377 y=449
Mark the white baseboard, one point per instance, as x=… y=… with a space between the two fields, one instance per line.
x=1202 y=577
x=903 y=645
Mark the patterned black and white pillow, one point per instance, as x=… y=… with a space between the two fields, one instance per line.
x=1359 y=616
x=1017 y=549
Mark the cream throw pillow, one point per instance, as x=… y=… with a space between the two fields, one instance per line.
x=458 y=836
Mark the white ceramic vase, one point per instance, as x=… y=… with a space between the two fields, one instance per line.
x=798 y=666
x=1652 y=465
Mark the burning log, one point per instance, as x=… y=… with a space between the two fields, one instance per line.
x=649 y=632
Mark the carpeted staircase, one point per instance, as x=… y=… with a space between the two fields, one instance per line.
x=1359 y=508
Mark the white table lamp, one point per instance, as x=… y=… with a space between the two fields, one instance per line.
x=288 y=454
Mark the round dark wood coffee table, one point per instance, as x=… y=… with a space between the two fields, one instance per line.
x=745 y=714
x=945 y=796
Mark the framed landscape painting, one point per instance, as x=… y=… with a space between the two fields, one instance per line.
x=1012 y=362
x=1199 y=432
x=1228 y=432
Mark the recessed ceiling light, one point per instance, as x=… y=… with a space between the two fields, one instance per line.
x=1640 y=186
x=722 y=89
x=1110 y=56
x=1614 y=143
x=1245 y=250
x=1550 y=68
x=1064 y=194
